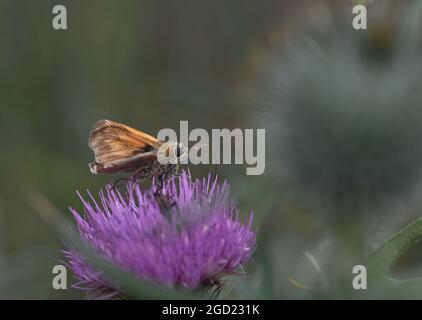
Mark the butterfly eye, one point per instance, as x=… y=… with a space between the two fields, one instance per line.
x=178 y=151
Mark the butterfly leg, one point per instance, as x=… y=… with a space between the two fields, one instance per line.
x=120 y=182
x=160 y=180
x=163 y=176
x=174 y=171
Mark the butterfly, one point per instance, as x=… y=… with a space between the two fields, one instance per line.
x=120 y=148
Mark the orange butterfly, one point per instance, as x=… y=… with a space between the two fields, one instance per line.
x=119 y=148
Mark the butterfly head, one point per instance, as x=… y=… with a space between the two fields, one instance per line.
x=174 y=152
x=178 y=150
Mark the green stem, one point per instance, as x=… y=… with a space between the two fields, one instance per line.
x=385 y=257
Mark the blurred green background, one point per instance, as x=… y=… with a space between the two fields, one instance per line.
x=150 y=64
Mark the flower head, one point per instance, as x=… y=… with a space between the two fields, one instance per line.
x=345 y=117
x=184 y=233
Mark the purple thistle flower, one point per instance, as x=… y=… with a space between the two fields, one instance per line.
x=184 y=234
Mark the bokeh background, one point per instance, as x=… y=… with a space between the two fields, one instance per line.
x=342 y=110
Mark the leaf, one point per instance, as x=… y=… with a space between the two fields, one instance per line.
x=385 y=257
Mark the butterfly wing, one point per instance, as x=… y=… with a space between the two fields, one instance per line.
x=118 y=147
